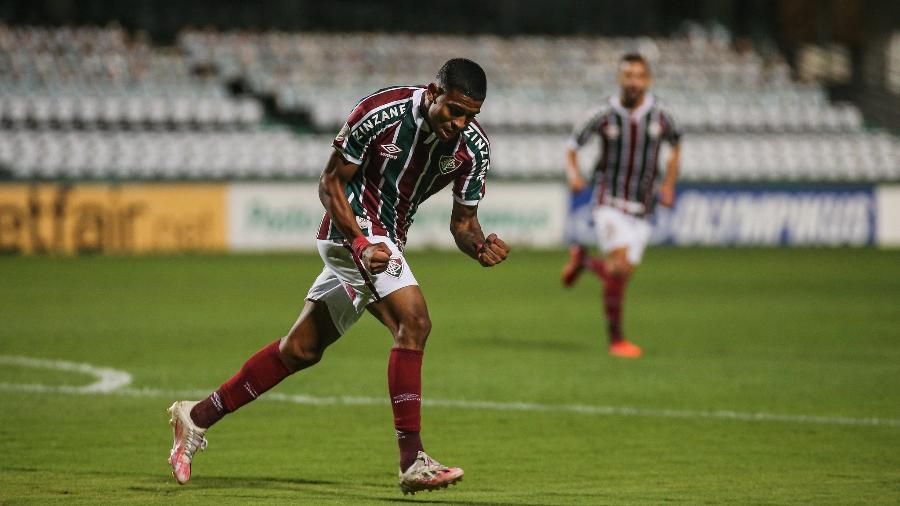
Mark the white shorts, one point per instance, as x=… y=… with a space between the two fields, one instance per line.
x=347 y=288
x=617 y=229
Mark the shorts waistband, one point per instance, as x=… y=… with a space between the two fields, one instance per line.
x=626 y=206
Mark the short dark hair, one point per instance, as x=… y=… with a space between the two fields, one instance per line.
x=635 y=58
x=464 y=75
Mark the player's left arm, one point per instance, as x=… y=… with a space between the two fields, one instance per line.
x=672 y=134
x=667 y=190
x=470 y=239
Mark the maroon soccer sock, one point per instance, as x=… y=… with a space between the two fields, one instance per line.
x=261 y=372
x=613 y=298
x=598 y=266
x=209 y=411
x=410 y=445
x=405 y=387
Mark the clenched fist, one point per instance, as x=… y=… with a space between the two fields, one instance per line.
x=492 y=251
x=374 y=257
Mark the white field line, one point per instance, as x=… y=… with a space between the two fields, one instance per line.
x=113 y=382
x=108 y=380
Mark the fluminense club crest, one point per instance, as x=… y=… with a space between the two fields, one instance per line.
x=395 y=267
x=611 y=131
x=448 y=164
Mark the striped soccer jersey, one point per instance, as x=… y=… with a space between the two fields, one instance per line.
x=627 y=170
x=402 y=163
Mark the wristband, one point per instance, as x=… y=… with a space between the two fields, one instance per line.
x=358 y=245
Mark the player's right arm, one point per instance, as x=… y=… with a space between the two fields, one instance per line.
x=573 y=173
x=582 y=133
x=332 y=192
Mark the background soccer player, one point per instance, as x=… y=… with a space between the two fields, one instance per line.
x=399 y=146
x=631 y=128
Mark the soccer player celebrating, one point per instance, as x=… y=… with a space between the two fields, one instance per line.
x=399 y=146
x=631 y=128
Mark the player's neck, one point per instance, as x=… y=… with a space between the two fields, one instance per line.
x=423 y=112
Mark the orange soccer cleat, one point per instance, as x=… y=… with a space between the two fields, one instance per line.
x=624 y=349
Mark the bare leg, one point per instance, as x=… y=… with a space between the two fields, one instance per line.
x=302 y=347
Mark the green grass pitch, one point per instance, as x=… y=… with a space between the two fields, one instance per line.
x=808 y=341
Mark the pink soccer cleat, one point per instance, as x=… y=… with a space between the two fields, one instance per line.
x=188 y=440
x=428 y=474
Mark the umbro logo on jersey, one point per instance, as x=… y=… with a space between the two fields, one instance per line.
x=390 y=151
x=448 y=164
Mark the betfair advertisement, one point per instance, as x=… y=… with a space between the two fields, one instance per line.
x=115 y=219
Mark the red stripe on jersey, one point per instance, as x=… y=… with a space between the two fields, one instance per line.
x=324 y=227
x=632 y=126
x=407 y=185
x=371 y=193
x=377 y=100
x=371 y=197
x=462 y=153
x=651 y=177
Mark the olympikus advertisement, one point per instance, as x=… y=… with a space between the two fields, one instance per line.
x=758 y=216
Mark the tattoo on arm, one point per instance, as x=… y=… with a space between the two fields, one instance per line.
x=466 y=229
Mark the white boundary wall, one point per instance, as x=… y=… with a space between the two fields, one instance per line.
x=887 y=231
x=286 y=216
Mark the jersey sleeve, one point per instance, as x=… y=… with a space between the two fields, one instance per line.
x=351 y=144
x=469 y=186
x=672 y=131
x=357 y=133
x=584 y=130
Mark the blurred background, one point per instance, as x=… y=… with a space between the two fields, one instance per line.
x=203 y=125
x=132 y=132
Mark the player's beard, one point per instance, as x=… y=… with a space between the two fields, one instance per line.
x=631 y=97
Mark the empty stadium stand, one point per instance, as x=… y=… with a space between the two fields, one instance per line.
x=100 y=103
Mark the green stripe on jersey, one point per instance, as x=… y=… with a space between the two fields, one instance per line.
x=638 y=188
x=480 y=146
